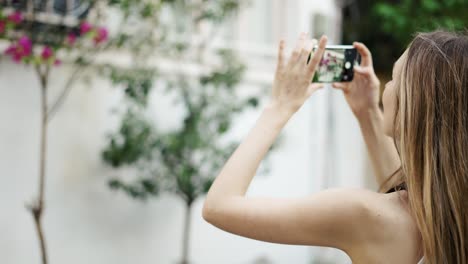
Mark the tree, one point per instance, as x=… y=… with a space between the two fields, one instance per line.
x=387 y=26
x=183 y=161
x=76 y=36
x=43 y=34
x=38 y=42
x=408 y=17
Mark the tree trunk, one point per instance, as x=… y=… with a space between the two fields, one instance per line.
x=37 y=208
x=186 y=236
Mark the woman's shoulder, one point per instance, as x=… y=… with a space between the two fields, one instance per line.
x=397 y=212
x=391 y=213
x=379 y=204
x=379 y=215
x=392 y=228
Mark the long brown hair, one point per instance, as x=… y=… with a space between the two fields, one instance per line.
x=431 y=128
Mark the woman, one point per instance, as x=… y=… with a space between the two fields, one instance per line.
x=424 y=218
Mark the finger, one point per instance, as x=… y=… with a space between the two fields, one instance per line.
x=309 y=56
x=280 y=64
x=340 y=86
x=297 y=50
x=317 y=55
x=306 y=49
x=360 y=70
x=365 y=54
x=305 y=52
x=314 y=87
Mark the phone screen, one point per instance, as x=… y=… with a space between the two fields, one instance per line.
x=337 y=64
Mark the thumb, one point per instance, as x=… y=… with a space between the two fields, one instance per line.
x=340 y=86
x=360 y=69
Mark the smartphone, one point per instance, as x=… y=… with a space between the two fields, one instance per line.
x=337 y=64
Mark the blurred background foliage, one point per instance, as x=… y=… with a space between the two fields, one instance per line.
x=387 y=27
x=185 y=160
x=181 y=161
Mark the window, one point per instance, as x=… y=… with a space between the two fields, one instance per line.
x=319 y=24
x=254 y=23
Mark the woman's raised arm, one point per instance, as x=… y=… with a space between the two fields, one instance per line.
x=362 y=95
x=337 y=218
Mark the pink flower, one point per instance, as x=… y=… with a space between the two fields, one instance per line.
x=324 y=62
x=85 y=27
x=10 y=49
x=71 y=39
x=15 y=17
x=57 y=62
x=2 y=26
x=16 y=58
x=47 y=53
x=25 y=45
x=20 y=49
x=101 y=35
x=13 y=51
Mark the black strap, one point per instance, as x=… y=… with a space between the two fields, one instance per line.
x=401 y=186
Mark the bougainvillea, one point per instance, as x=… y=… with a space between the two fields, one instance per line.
x=38 y=43
x=15 y=17
x=23 y=48
x=20 y=50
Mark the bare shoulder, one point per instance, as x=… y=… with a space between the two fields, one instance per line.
x=391 y=228
x=392 y=210
x=375 y=210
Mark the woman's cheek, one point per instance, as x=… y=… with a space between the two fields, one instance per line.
x=387 y=112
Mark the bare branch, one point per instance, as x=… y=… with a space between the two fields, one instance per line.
x=70 y=82
x=37 y=208
x=65 y=92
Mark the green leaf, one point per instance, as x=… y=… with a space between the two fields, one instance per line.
x=223 y=126
x=430 y=5
x=149 y=186
x=207 y=184
x=131 y=142
x=253 y=101
x=114 y=184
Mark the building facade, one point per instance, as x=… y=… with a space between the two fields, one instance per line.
x=87 y=223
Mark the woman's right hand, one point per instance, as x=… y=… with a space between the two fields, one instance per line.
x=362 y=93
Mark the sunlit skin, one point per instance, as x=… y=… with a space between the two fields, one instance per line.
x=369 y=226
x=388 y=96
x=362 y=95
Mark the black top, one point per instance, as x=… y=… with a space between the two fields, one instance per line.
x=401 y=186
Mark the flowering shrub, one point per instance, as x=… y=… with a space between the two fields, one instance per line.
x=23 y=48
x=331 y=63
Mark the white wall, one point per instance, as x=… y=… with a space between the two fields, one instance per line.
x=87 y=223
x=84 y=221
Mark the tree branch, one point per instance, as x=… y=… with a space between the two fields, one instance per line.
x=65 y=92
x=69 y=84
x=37 y=208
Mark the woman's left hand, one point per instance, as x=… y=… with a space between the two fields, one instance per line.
x=292 y=85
